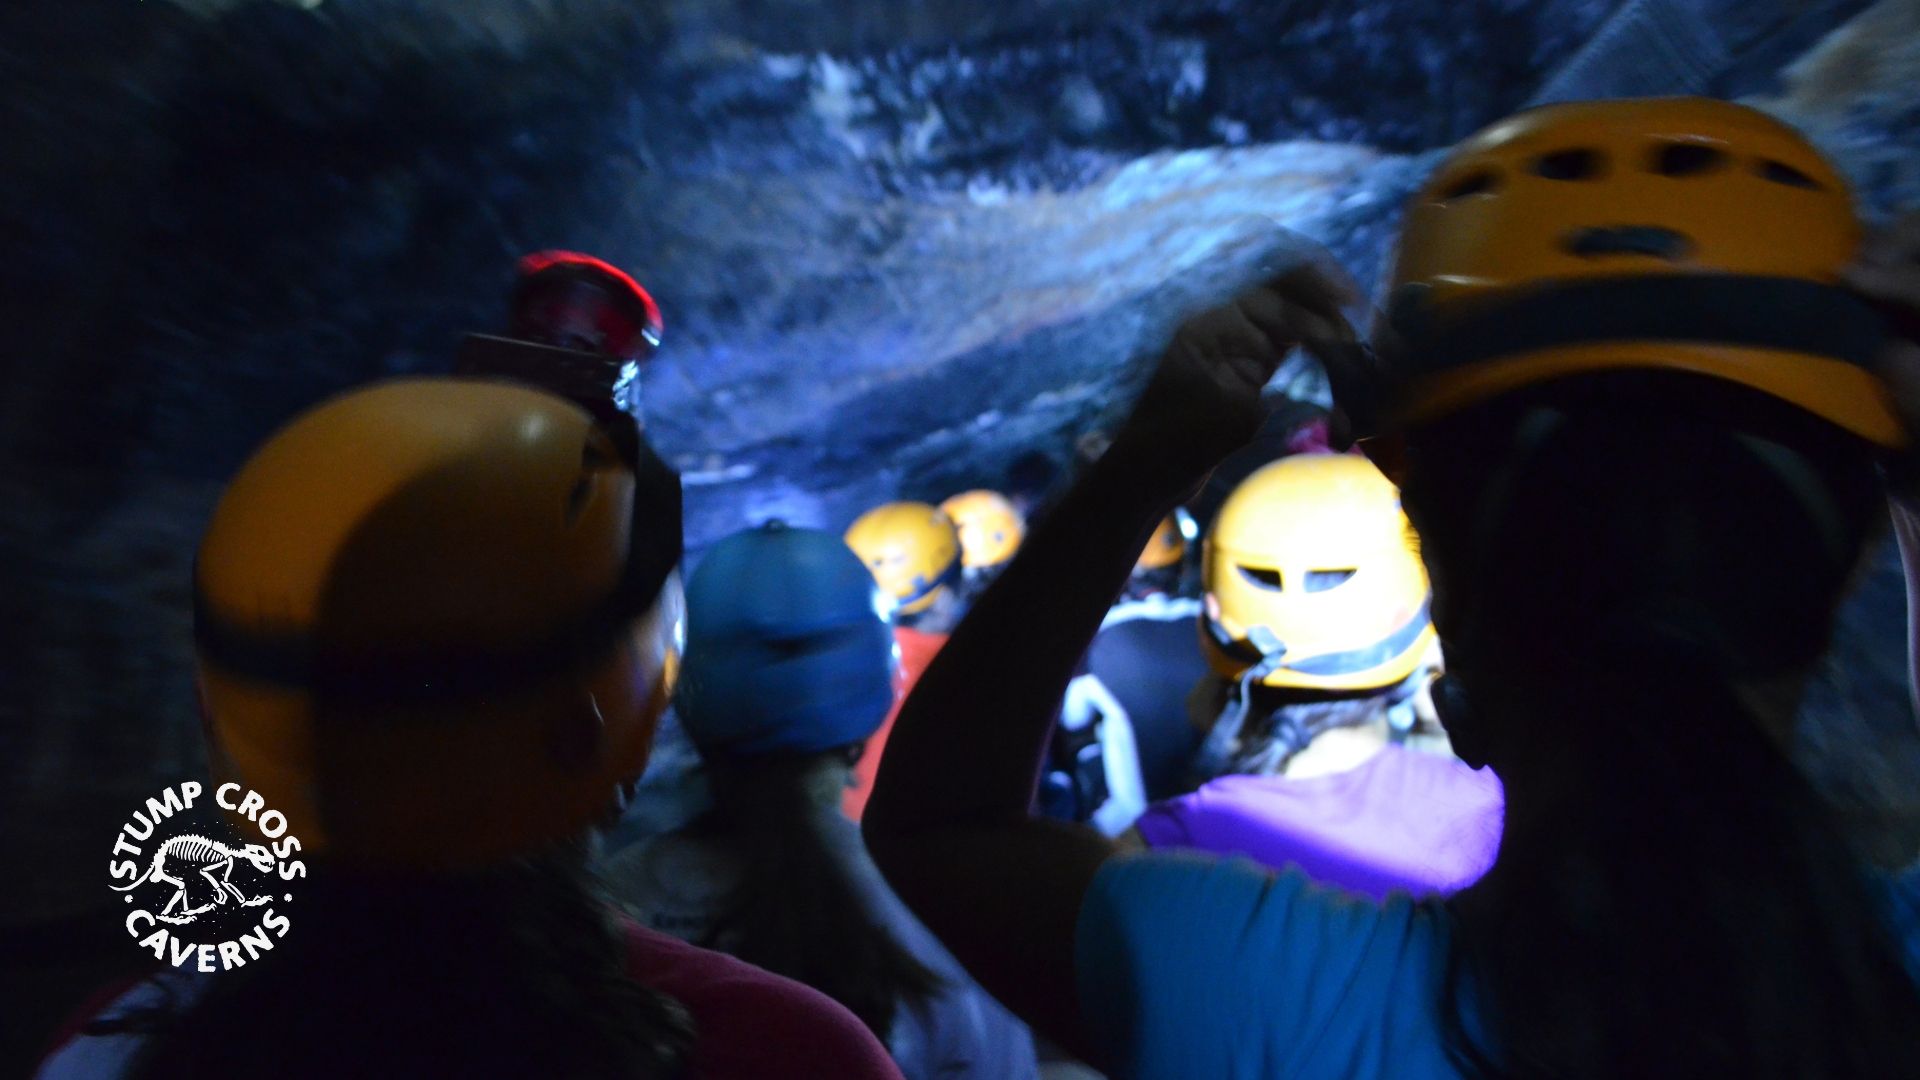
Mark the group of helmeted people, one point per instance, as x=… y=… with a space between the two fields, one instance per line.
x=1271 y=698
x=1457 y=745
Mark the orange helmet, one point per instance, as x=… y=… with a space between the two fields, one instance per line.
x=1166 y=547
x=991 y=527
x=911 y=549
x=1678 y=234
x=405 y=601
x=1312 y=556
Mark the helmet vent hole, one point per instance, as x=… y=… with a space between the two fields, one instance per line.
x=1322 y=580
x=1478 y=182
x=1574 y=164
x=1687 y=159
x=1261 y=578
x=1781 y=173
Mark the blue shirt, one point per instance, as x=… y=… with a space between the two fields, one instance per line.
x=1192 y=966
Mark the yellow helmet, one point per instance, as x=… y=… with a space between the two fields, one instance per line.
x=912 y=550
x=437 y=620
x=991 y=527
x=1312 y=558
x=1167 y=546
x=1675 y=234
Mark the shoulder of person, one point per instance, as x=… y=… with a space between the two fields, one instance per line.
x=1158 y=607
x=91 y=1045
x=1190 y=965
x=962 y=1033
x=753 y=1022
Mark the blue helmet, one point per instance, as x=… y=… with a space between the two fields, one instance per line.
x=787 y=650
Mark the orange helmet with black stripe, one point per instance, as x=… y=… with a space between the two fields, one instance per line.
x=1677 y=234
x=990 y=526
x=911 y=549
x=437 y=620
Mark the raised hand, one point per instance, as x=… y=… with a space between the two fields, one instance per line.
x=1203 y=401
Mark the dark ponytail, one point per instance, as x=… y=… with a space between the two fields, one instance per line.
x=800 y=913
x=1690 y=909
x=1621 y=574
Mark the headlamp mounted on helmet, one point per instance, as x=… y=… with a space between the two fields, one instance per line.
x=572 y=300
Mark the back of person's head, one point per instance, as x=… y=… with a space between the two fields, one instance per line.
x=790 y=667
x=1639 y=302
x=1635 y=517
x=575 y=301
x=1311 y=581
x=913 y=551
x=1630 y=410
x=1315 y=605
x=788 y=651
x=1635 y=595
x=437 y=621
x=1161 y=567
x=990 y=527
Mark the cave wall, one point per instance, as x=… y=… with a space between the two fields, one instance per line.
x=897 y=244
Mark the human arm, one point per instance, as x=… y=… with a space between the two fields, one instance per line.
x=949 y=821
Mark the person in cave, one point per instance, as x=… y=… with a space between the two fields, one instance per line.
x=1124 y=737
x=990 y=529
x=788 y=670
x=1312 y=759
x=574 y=322
x=1636 y=420
x=436 y=622
x=913 y=551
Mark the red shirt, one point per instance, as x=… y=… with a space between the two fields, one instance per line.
x=751 y=1023
x=917 y=650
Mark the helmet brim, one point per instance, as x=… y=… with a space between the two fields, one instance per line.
x=1841 y=393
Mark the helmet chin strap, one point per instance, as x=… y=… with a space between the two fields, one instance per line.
x=1216 y=752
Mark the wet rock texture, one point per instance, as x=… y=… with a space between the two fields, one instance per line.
x=898 y=246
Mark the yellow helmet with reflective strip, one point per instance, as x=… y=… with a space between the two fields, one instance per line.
x=437 y=620
x=912 y=550
x=991 y=527
x=1312 y=573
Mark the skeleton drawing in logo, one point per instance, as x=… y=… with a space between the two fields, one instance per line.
x=187 y=860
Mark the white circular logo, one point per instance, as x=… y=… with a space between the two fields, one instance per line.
x=201 y=895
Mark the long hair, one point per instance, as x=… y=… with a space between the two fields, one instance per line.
x=800 y=912
x=512 y=972
x=1258 y=731
x=1617 y=580
x=1275 y=736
